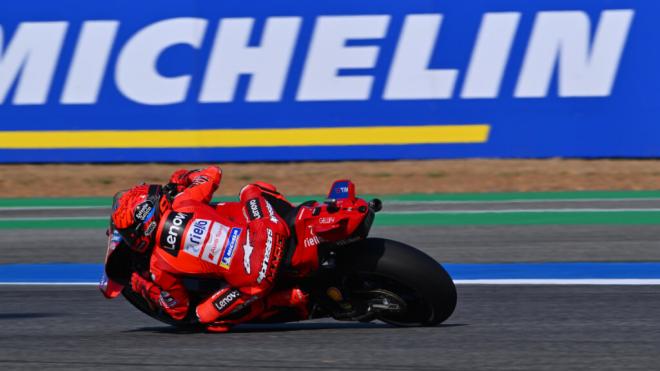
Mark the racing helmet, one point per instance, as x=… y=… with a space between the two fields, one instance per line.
x=135 y=215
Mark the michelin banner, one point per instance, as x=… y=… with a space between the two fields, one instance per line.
x=281 y=80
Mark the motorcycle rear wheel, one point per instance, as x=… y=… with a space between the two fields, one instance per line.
x=381 y=264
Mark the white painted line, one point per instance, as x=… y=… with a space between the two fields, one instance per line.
x=45 y=208
x=515 y=211
x=544 y=281
x=568 y=282
x=521 y=201
x=410 y=212
x=407 y=212
x=38 y=218
x=49 y=283
x=386 y=202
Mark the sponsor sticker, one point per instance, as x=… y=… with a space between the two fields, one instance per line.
x=275 y=262
x=196 y=236
x=230 y=249
x=255 y=209
x=144 y=211
x=224 y=301
x=217 y=239
x=170 y=237
x=339 y=191
x=311 y=241
x=264 y=263
x=272 y=216
x=151 y=228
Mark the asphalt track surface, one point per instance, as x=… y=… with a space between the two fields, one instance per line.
x=460 y=244
x=494 y=327
x=465 y=244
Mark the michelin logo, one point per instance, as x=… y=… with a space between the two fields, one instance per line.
x=583 y=50
x=230 y=249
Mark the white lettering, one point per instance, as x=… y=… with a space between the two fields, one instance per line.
x=136 y=74
x=267 y=64
x=254 y=208
x=247 y=253
x=490 y=55
x=329 y=54
x=264 y=264
x=196 y=236
x=581 y=54
x=311 y=241
x=409 y=77
x=222 y=304
x=32 y=54
x=272 y=217
x=89 y=62
x=175 y=228
x=563 y=38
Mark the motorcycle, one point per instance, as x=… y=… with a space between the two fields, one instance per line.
x=354 y=278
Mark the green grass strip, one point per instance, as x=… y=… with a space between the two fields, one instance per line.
x=521 y=218
x=54 y=224
x=507 y=196
x=55 y=202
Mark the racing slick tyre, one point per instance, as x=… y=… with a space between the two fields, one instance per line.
x=405 y=274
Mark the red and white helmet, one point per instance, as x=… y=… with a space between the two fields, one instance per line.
x=135 y=216
x=136 y=213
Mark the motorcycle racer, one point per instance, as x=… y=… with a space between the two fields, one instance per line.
x=188 y=237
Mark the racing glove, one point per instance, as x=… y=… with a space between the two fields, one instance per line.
x=179 y=179
x=144 y=287
x=152 y=292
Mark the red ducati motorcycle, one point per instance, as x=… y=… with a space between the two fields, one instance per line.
x=348 y=275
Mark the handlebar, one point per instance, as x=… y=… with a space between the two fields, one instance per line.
x=376 y=205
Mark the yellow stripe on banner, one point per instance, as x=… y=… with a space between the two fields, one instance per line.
x=349 y=136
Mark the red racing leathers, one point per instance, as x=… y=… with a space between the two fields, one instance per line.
x=243 y=246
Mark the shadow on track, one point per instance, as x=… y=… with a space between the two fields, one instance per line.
x=10 y=316
x=283 y=327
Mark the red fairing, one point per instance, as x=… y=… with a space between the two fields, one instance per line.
x=327 y=222
x=109 y=288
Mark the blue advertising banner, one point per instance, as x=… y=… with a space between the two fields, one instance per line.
x=281 y=80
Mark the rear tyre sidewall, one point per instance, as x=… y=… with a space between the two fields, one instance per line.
x=406 y=265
